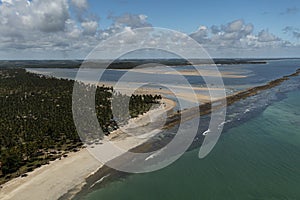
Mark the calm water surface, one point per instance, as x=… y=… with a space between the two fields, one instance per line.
x=259 y=159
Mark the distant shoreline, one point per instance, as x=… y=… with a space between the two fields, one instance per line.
x=130 y=63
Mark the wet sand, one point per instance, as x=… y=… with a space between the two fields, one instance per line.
x=198 y=71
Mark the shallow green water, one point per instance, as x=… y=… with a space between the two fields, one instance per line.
x=259 y=159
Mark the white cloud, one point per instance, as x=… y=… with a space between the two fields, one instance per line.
x=38 y=15
x=80 y=4
x=265 y=36
x=48 y=28
x=90 y=28
x=131 y=20
x=80 y=10
x=41 y=27
x=234 y=26
x=50 y=17
x=230 y=34
x=236 y=35
x=201 y=34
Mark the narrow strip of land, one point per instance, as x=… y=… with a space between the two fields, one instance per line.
x=69 y=174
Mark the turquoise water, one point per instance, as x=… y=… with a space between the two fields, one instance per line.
x=259 y=159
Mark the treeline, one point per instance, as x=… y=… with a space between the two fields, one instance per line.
x=36 y=121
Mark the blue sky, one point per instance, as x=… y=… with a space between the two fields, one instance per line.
x=66 y=29
x=187 y=16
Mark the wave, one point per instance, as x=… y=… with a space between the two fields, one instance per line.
x=206 y=132
x=247 y=110
x=100 y=180
x=153 y=155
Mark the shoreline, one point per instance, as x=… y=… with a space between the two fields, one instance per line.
x=35 y=179
x=124 y=141
x=146 y=147
x=43 y=181
x=68 y=175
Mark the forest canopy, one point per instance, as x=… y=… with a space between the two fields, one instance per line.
x=36 y=122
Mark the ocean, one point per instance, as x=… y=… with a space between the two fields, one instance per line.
x=258 y=159
x=256 y=74
x=257 y=156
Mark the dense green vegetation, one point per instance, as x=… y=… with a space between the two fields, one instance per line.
x=126 y=63
x=36 y=122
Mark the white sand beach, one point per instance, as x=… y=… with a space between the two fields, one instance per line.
x=52 y=181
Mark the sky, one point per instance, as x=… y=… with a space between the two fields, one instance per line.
x=70 y=29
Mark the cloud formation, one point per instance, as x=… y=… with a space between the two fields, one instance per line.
x=134 y=21
x=236 y=37
x=80 y=4
x=33 y=15
x=66 y=28
x=48 y=26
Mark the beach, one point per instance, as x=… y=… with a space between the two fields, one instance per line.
x=251 y=155
x=149 y=100
x=68 y=174
x=53 y=180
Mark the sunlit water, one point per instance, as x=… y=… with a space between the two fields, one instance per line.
x=259 y=159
